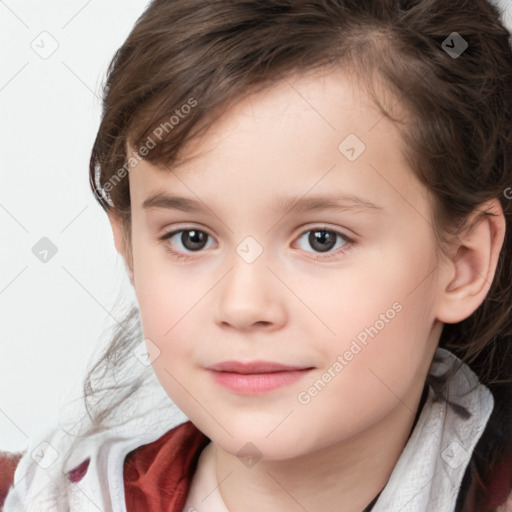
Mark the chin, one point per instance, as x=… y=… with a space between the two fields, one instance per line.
x=258 y=441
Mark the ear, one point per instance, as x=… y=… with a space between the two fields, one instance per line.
x=469 y=271
x=121 y=241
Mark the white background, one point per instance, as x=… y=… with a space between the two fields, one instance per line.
x=53 y=315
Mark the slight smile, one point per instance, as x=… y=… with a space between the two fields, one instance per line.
x=255 y=377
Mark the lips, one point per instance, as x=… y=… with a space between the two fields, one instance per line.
x=253 y=367
x=255 y=377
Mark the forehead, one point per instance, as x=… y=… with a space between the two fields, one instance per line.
x=325 y=100
x=291 y=136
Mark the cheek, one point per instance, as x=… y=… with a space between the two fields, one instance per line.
x=167 y=320
x=167 y=313
x=370 y=370
x=388 y=289
x=382 y=325
x=165 y=292
x=165 y=304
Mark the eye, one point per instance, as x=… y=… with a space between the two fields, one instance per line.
x=186 y=240
x=324 y=240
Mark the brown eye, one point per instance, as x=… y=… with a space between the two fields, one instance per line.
x=193 y=239
x=322 y=240
x=187 y=240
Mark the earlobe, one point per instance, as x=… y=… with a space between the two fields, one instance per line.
x=473 y=266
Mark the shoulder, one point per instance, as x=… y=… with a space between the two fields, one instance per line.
x=8 y=463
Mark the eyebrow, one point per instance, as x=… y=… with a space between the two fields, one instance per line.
x=284 y=203
x=323 y=203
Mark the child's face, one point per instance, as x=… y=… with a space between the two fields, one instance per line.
x=292 y=304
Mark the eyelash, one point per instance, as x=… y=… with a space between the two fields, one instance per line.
x=349 y=243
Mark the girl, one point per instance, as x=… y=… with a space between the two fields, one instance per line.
x=313 y=201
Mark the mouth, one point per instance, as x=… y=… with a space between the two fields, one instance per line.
x=255 y=377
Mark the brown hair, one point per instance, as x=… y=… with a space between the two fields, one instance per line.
x=185 y=61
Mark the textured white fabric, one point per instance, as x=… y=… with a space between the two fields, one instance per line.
x=102 y=487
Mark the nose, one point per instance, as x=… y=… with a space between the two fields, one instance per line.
x=250 y=297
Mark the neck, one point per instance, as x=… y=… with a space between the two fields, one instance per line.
x=350 y=473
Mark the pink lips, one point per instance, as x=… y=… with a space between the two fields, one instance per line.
x=256 y=376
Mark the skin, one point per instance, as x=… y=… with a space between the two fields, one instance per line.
x=293 y=304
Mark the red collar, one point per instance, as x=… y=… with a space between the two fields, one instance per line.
x=157 y=475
